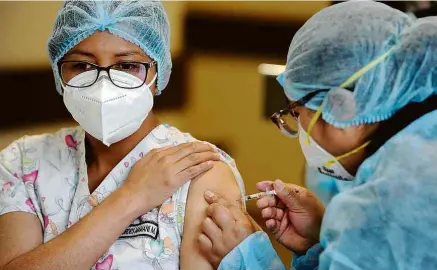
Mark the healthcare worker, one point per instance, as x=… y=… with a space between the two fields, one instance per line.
x=361 y=78
x=325 y=187
x=74 y=199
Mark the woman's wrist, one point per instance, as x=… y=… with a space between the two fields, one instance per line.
x=304 y=247
x=133 y=205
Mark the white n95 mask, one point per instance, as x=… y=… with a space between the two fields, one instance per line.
x=107 y=112
x=319 y=158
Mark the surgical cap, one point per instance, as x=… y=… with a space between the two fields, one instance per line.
x=143 y=23
x=339 y=41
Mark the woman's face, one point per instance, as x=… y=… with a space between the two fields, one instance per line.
x=338 y=141
x=105 y=49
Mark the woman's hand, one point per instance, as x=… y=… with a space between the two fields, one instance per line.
x=225 y=226
x=158 y=175
x=294 y=216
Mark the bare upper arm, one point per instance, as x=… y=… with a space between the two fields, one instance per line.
x=19 y=233
x=219 y=179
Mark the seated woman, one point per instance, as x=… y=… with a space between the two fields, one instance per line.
x=75 y=199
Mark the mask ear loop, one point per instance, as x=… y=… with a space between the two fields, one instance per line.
x=152 y=81
x=336 y=159
x=348 y=82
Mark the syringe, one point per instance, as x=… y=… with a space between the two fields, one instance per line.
x=259 y=195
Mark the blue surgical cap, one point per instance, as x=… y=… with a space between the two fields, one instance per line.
x=143 y=23
x=340 y=40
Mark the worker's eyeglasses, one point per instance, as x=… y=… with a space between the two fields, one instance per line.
x=70 y=69
x=287 y=119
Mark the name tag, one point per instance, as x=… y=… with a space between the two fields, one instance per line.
x=147 y=229
x=330 y=173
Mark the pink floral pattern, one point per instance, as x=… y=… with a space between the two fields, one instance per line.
x=71 y=142
x=106 y=264
x=30 y=177
x=7 y=184
x=29 y=203
x=46 y=221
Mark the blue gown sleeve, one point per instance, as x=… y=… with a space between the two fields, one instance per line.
x=254 y=253
x=309 y=261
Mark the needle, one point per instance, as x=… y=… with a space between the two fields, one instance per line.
x=259 y=195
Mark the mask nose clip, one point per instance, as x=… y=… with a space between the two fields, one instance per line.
x=103 y=75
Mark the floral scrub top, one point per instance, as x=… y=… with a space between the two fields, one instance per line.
x=46 y=175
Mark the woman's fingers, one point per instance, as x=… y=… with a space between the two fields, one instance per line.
x=195 y=159
x=262 y=186
x=189 y=160
x=194 y=171
x=267 y=201
x=226 y=226
x=186 y=149
x=208 y=250
x=221 y=216
x=273 y=225
x=210 y=229
x=205 y=244
x=272 y=213
x=234 y=208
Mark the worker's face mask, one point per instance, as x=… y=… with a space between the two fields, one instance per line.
x=319 y=158
x=107 y=112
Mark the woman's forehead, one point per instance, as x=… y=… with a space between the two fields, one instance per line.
x=105 y=43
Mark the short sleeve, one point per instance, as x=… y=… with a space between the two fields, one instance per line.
x=14 y=191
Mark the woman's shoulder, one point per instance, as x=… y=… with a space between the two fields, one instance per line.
x=178 y=137
x=35 y=147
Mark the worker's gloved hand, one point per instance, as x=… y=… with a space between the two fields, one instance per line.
x=294 y=215
x=225 y=226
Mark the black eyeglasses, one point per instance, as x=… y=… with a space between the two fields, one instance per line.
x=287 y=119
x=70 y=71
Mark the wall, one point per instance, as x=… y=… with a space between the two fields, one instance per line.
x=26 y=25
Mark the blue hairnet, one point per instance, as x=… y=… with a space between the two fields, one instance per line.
x=336 y=43
x=143 y=23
